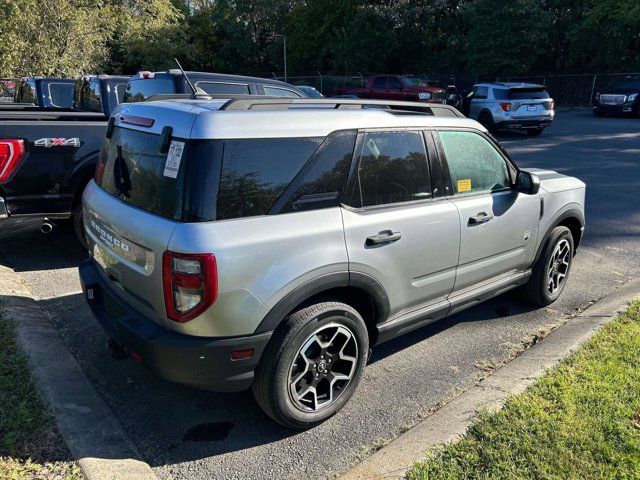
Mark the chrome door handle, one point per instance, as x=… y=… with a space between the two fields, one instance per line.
x=385 y=236
x=482 y=217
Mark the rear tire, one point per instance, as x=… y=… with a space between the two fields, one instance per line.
x=534 y=132
x=551 y=272
x=486 y=120
x=321 y=350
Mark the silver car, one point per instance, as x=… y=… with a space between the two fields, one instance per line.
x=265 y=244
x=510 y=106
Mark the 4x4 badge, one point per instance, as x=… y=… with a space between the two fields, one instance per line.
x=57 y=142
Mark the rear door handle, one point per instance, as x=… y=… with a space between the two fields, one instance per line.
x=481 y=217
x=385 y=236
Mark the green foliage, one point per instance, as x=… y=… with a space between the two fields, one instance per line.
x=580 y=421
x=25 y=425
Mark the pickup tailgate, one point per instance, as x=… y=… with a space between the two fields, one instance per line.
x=59 y=155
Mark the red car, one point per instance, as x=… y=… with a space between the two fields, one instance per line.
x=398 y=87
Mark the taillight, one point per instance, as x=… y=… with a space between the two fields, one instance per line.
x=190 y=284
x=11 y=151
x=506 y=107
x=553 y=104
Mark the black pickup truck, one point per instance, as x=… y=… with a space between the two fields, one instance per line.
x=48 y=156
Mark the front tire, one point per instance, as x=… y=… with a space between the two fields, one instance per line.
x=486 y=120
x=312 y=365
x=551 y=271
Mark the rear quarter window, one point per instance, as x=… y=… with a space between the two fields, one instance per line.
x=256 y=172
x=221 y=88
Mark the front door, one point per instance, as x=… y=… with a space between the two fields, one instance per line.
x=498 y=225
x=395 y=230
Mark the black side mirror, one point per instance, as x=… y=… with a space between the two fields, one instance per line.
x=527 y=183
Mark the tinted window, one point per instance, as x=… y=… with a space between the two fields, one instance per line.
x=280 y=92
x=134 y=172
x=481 y=92
x=255 y=173
x=321 y=181
x=394 y=83
x=474 y=163
x=527 y=93
x=61 y=94
x=139 y=90
x=223 y=88
x=121 y=88
x=393 y=168
x=379 y=82
x=500 y=94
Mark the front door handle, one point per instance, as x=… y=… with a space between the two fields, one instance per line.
x=482 y=217
x=385 y=236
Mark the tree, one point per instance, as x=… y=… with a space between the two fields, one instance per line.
x=503 y=37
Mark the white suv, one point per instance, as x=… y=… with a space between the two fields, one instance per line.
x=510 y=106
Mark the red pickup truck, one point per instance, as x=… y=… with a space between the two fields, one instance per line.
x=397 y=87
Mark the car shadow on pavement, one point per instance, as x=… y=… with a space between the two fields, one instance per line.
x=27 y=249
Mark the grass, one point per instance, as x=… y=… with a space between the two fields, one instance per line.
x=580 y=421
x=30 y=447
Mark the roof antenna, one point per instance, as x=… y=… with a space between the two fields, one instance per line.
x=193 y=89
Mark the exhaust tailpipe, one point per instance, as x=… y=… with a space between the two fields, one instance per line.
x=46 y=227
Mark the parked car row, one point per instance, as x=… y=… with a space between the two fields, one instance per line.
x=50 y=139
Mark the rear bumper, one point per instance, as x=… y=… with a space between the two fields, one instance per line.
x=196 y=361
x=523 y=124
x=50 y=206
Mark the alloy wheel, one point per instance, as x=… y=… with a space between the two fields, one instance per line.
x=558 y=267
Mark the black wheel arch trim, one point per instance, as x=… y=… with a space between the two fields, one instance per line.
x=572 y=212
x=323 y=283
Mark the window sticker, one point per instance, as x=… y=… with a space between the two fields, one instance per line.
x=464 y=185
x=174 y=157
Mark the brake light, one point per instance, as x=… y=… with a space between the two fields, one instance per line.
x=146 y=74
x=506 y=107
x=11 y=152
x=190 y=284
x=136 y=120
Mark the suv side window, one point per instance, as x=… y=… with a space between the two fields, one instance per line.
x=474 y=163
x=393 y=168
x=223 y=88
x=481 y=93
x=280 y=92
x=255 y=172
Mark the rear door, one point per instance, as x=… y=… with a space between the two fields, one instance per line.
x=398 y=228
x=477 y=101
x=498 y=225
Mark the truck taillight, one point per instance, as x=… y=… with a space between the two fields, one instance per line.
x=506 y=107
x=11 y=152
x=190 y=284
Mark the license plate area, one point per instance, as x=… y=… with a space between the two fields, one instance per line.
x=532 y=108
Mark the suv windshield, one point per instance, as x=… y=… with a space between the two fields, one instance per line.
x=141 y=89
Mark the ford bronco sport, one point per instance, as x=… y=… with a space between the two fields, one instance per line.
x=270 y=243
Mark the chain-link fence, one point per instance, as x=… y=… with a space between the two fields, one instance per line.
x=567 y=90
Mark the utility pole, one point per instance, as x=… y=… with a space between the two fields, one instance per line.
x=284 y=48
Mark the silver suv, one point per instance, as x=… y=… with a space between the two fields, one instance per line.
x=271 y=243
x=510 y=106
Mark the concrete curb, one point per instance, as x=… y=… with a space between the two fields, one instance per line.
x=94 y=436
x=451 y=421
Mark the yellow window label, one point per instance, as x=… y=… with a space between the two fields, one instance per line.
x=464 y=185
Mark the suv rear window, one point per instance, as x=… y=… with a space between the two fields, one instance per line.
x=134 y=173
x=141 y=89
x=527 y=93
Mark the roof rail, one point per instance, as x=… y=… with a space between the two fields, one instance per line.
x=253 y=103
x=208 y=96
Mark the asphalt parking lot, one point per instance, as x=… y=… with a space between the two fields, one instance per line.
x=184 y=433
